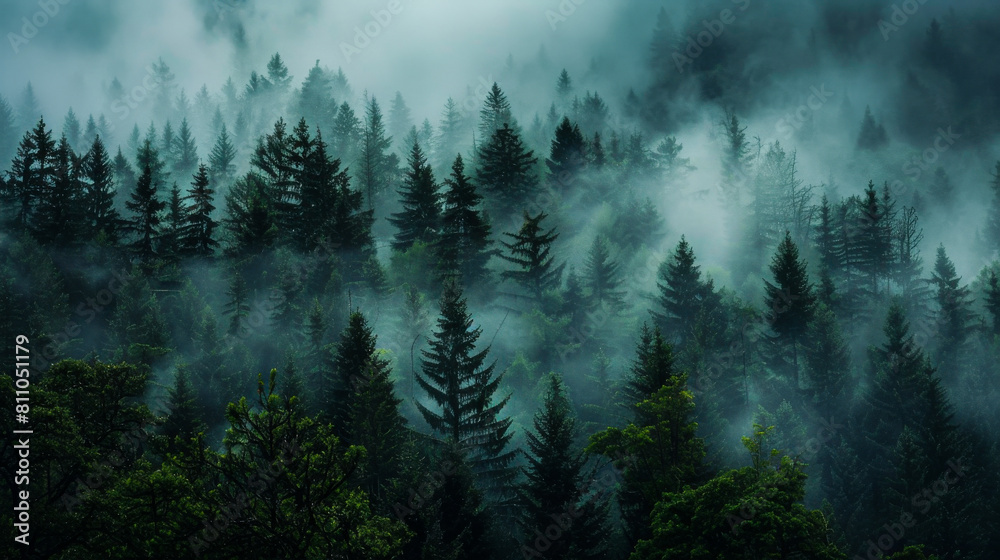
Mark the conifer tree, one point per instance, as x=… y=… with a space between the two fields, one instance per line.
x=554 y=484
x=346 y=134
x=495 y=113
x=238 y=306
x=221 y=165
x=458 y=381
x=790 y=299
x=463 y=246
x=376 y=165
x=199 y=226
x=872 y=135
x=71 y=129
x=400 y=120
x=954 y=316
x=31 y=174
x=185 y=152
x=101 y=215
x=506 y=170
x=828 y=364
x=993 y=217
x=651 y=369
x=58 y=216
x=250 y=222
x=184 y=420
x=450 y=133
x=683 y=294
x=172 y=233
x=530 y=252
x=420 y=217
x=567 y=155
x=602 y=277
x=8 y=132
x=145 y=207
x=993 y=301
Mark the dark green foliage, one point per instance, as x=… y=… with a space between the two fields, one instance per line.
x=954 y=315
x=530 y=252
x=602 y=277
x=872 y=135
x=567 y=156
x=420 y=217
x=790 y=299
x=102 y=218
x=221 y=162
x=506 y=170
x=464 y=242
x=456 y=378
x=554 y=485
x=684 y=296
x=199 y=226
x=145 y=207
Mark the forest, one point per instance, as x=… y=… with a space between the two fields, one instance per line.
x=557 y=280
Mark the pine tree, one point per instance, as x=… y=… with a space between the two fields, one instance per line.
x=684 y=296
x=145 y=223
x=450 y=133
x=173 y=227
x=238 y=306
x=954 y=316
x=567 y=155
x=735 y=160
x=346 y=134
x=506 y=170
x=185 y=152
x=199 y=226
x=221 y=165
x=828 y=364
x=58 y=216
x=184 y=420
x=314 y=102
x=463 y=246
x=400 y=120
x=8 y=132
x=602 y=277
x=420 y=217
x=564 y=86
x=530 y=252
x=32 y=173
x=455 y=377
x=29 y=109
x=651 y=369
x=277 y=73
x=250 y=222
x=101 y=215
x=495 y=113
x=790 y=299
x=71 y=129
x=377 y=166
x=872 y=135
x=365 y=394
x=554 y=484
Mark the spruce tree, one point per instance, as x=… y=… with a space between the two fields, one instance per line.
x=184 y=420
x=993 y=302
x=346 y=134
x=238 y=305
x=400 y=120
x=199 y=226
x=506 y=170
x=31 y=174
x=828 y=364
x=145 y=207
x=221 y=166
x=58 y=217
x=554 y=484
x=463 y=246
x=993 y=216
x=420 y=217
x=495 y=113
x=954 y=315
x=790 y=299
x=567 y=156
x=185 y=152
x=102 y=216
x=71 y=129
x=8 y=132
x=683 y=294
x=456 y=378
x=451 y=133
x=872 y=135
x=376 y=165
x=602 y=277
x=530 y=252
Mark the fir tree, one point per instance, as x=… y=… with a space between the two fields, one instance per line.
x=602 y=277
x=828 y=364
x=400 y=120
x=456 y=378
x=58 y=217
x=145 y=206
x=221 y=167
x=238 y=305
x=71 y=129
x=184 y=420
x=530 y=252
x=102 y=216
x=506 y=170
x=420 y=217
x=954 y=316
x=872 y=135
x=683 y=294
x=464 y=243
x=199 y=226
x=790 y=299
x=567 y=155
x=553 y=482
x=376 y=165
x=495 y=113
x=185 y=152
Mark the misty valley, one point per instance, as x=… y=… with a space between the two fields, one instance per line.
x=525 y=279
